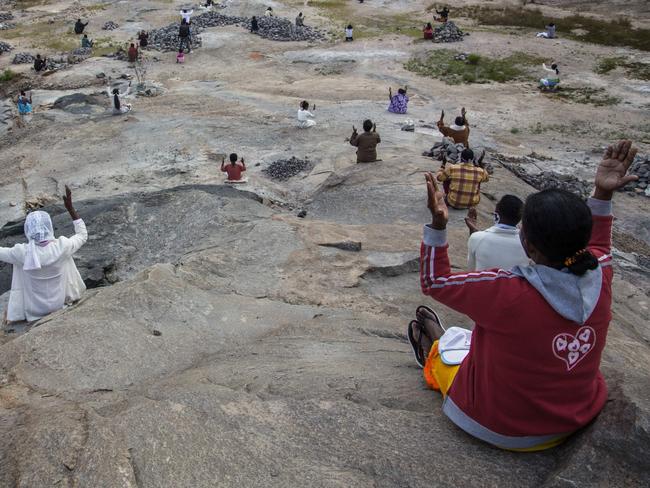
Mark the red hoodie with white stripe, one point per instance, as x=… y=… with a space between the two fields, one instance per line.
x=532 y=372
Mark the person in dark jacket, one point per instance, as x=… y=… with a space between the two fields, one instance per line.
x=143 y=37
x=79 y=27
x=40 y=63
x=184 y=36
x=254 y=26
x=366 y=143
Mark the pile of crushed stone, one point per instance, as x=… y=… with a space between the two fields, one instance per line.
x=448 y=32
x=4 y=16
x=641 y=168
x=110 y=25
x=551 y=179
x=4 y=47
x=23 y=58
x=283 y=169
x=166 y=38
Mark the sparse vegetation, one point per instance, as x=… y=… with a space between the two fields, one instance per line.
x=633 y=69
x=588 y=95
x=617 y=32
x=7 y=75
x=442 y=64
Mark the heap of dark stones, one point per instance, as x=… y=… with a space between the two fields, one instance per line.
x=166 y=38
x=279 y=29
x=448 y=32
x=4 y=47
x=23 y=58
x=4 y=16
x=214 y=19
x=283 y=169
x=641 y=168
x=553 y=180
x=110 y=25
x=7 y=25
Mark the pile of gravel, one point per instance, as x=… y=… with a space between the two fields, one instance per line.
x=283 y=169
x=110 y=25
x=23 y=58
x=279 y=29
x=641 y=168
x=214 y=19
x=4 y=47
x=7 y=25
x=166 y=38
x=6 y=16
x=80 y=54
x=551 y=179
x=448 y=32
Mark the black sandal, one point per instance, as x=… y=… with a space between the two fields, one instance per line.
x=416 y=344
x=435 y=316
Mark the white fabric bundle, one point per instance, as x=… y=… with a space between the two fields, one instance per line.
x=38 y=230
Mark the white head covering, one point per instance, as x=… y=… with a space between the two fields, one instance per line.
x=38 y=228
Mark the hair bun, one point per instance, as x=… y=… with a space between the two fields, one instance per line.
x=581 y=262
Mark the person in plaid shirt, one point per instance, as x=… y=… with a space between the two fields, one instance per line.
x=464 y=181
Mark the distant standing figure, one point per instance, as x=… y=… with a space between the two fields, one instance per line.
x=269 y=12
x=427 y=32
x=132 y=53
x=143 y=37
x=180 y=57
x=498 y=246
x=44 y=277
x=79 y=27
x=24 y=103
x=184 y=36
x=254 y=26
x=549 y=33
x=399 y=102
x=305 y=117
x=444 y=14
x=550 y=82
x=300 y=20
x=234 y=169
x=40 y=63
x=119 y=108
x=186 y=15
x=366 y=143
x=85 y=42
x=349 y=33
x=458 y=131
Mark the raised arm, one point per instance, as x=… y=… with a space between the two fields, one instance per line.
x=354 y=138
x=610 y=176
x=243 y=165
x=223 y=164
x=81 y=234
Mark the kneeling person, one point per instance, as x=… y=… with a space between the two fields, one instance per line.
x=234 y=169
x=366 y=143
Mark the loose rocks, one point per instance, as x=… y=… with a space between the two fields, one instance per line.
x=23 y=58
x=448 y=32
x=283 y=169
x=641 y=168
x=6 y=16
x=7 y=25
x=166 y=38
x=110 y=25
x=278 y=29
x=4 y=47
x=551 y=179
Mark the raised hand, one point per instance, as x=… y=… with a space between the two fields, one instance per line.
x=472 y=220
x=442 y=115
x=374 y=127
x=67 y=203
x=612 y=170
x=354 y=130
x=436 y=204
x=463 y=111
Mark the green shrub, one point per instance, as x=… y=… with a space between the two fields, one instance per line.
x=7 y=75
x=473 y=59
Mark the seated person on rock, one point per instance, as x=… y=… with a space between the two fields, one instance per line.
x=349 y=33
x=398 y=103
x=427 y=32
x=268 y=12
x=119 y=107
x=40 y=63
x=132 y=53
x=186 y=15
x=234 y=169
x=24 y=103
x=45 y=277
x=458 y=131
x=366 y=143
x=300 y=20
x=498 y=246
x=528 y=375
x=549 y=33
x=79 y=27
x=305 y=117
x=464 y=181
x=550 y=82
x=85 y=42
x=207 y=5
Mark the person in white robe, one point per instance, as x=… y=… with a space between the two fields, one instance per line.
x=45 y=277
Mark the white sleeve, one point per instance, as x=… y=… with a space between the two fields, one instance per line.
x=472 y=244
x=7 y=255
x=78 y=239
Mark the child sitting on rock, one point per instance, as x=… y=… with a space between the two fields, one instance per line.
x=234 y=169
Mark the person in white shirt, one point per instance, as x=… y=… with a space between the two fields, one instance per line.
x=119 y=107
x=186 y=15
x=305 y=117
x=45 y=277
x=499 y=246
x=269 y=12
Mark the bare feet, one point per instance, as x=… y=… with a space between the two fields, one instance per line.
x=431 y=325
